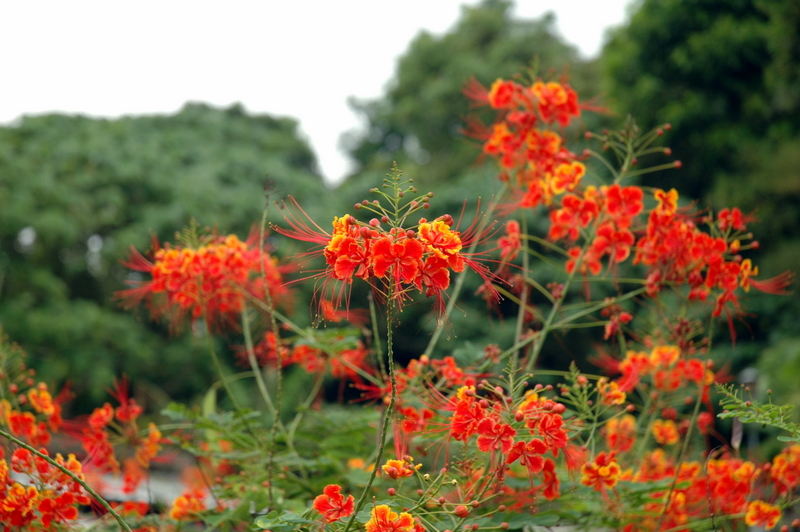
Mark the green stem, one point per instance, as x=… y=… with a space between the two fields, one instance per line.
x=276 y=419
x=459 y=284
x=251 y=356
x=523 y=298
x=376 y=339
x=306 y=405
x=542 y=335
x=222 y=377
x=599 y=306
x=682 y=454
x=389 y=409
x=71 y=475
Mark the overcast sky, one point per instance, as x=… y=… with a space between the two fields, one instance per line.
x=290 y=58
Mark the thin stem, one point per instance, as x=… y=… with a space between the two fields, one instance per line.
x=541 y=289
x=682 y=454
x=389 y=409
x=459 y=284
x=542 y=335
x=305 y=406
x=222 y=377
x=523 y=298
x=251 y=356
x=71 y=475
x=276 y=419
x=601 y=305
x=376 y=339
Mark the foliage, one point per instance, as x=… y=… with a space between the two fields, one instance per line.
x=725 y=76
x=767 y=414
x=336 y=428
x=79 y=192
x=495 y=448
x=420 y=125
x=420 y=122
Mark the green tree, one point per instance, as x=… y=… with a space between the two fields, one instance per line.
x=726 y=75
x=77 y=193
x=419 y=122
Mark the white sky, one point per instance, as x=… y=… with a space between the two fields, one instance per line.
x=288 y=58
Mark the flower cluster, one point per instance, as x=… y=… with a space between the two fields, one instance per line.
x=677 y=252
x=211 y=280
x=522 y=138
x=27 y=408
x=108 y=425
x=50 y=499
x=387 y=252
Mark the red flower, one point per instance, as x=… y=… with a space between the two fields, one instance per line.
x=529 y=454
x=385 y=520
x=495 y=436
x=550 y=483
x=510 y=243
x=468 y=414
x=403 y=255
x=760 y=513
x=210 y=281
x=550 y=427
x=332 y=504
x=621 y=433
x=602 y=473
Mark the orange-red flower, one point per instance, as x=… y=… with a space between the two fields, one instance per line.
x=785 y=470
x=760 y=513
x=511 y=243
x=621 y=433
x=211 y=281
x=395 y=469
x=188 y=505
x=610 y=393
x=665 y=432
x=385 y=520
x=332 y=504
x=494 y=436
x=529 y=454
x=396 y=258
x=604 y=472
x=53 y=498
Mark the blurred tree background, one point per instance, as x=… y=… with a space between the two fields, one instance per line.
x=726 y=75
x=78 y=192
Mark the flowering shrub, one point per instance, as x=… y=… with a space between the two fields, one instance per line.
x=444 y=443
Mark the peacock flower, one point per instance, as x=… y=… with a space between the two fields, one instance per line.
x=210 y=281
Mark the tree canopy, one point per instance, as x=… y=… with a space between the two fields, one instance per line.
x=79 y=192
